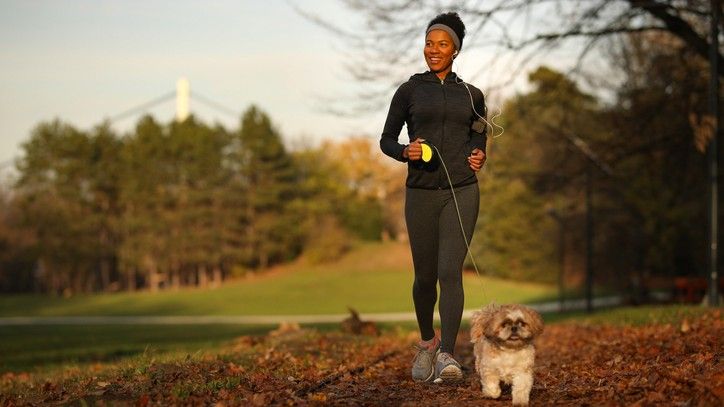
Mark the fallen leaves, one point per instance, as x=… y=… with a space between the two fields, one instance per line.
x=576 y=365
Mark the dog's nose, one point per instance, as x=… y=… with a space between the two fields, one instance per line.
x=514 y=328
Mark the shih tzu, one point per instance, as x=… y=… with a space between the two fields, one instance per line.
x=503 y=336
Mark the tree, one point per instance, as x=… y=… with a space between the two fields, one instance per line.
x=660 y=153
x=67 y=192
x=17 y=257
x=384 y=46
x=533 y=169
x=346 y=191
x=177 y=204
x=268 y=178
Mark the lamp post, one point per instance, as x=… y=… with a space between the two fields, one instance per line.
x=713 y=157
x=553 y=213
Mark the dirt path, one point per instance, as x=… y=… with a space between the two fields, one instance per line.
x=576 y=365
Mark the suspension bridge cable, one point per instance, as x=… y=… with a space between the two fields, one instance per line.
x=208 y=102
x=143 y=107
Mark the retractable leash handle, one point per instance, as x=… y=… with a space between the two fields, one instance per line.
x=426 y=151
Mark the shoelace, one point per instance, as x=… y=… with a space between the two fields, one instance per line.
x=420 y=350
x=447 y=359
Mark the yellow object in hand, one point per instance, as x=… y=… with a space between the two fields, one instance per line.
x=426 y=152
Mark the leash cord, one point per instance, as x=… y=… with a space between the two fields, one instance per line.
x=457 y=208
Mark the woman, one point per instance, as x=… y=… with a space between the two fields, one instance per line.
x=442 y=111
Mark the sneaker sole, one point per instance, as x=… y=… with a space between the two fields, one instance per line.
x=450 y=373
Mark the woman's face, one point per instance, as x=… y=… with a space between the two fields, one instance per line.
x=439 y=49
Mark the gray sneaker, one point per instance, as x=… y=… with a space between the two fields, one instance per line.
x=423 y=365
x=447 y=369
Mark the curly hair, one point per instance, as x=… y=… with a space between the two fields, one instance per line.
x=452 y=20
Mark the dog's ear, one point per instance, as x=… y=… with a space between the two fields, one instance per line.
x=476 y=327
x=534 y=320
x=485 y=319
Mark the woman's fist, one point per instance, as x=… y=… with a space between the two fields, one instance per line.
x=413 y=151
x=476 y=160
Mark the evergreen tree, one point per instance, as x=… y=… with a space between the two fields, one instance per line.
x=268 y=177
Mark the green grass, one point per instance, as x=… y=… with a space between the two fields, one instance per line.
x=51 y=348
x=372 y=278
x=632 y=316
x=46 y=346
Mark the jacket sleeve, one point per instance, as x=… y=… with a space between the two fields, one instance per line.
x=479 y=140
x=396 y=117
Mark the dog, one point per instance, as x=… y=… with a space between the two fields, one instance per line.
x=504 y=351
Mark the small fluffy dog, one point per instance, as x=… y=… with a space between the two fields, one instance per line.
x=503 y=336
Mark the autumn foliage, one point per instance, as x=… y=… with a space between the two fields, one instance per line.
x=577 y=364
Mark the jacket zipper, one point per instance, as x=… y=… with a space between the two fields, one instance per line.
x=442 y=135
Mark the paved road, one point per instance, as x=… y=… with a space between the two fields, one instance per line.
x=269 y=319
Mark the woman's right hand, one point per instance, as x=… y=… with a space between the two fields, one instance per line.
x=413 y=151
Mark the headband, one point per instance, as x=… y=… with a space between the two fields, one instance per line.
x=448 y=30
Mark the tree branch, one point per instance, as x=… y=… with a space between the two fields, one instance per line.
x=680 y=28
x=581 y=33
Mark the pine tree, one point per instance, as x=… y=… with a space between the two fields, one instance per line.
x=268 y=177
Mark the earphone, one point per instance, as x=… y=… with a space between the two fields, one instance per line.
x=479 y=125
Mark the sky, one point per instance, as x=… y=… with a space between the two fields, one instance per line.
x=85 y=60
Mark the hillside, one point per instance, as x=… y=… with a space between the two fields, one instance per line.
x=374 y=277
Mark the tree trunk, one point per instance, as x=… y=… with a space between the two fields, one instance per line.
x=201 y=276
x=176 y=279
x=217 y=277
x=105 y=274
x=153 y=279
x=131 y=279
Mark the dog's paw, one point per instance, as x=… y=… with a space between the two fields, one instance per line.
x=520 y=396
x=491 y=391
x=520 y=402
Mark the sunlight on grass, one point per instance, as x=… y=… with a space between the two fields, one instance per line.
x=375 y=277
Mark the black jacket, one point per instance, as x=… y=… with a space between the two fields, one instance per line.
x=441 y=113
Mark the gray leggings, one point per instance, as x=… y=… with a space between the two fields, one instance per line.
x=438 y=252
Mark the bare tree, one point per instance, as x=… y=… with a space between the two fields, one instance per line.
x=381 y=47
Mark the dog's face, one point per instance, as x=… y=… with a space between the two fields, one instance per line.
x=509 y=326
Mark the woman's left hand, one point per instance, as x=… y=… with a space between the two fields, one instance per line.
x=476 y=159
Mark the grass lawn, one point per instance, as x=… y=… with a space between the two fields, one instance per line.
x=375 y=277
x=44 y=349
x=631 y=316
x=372 y=278
x=49 y=346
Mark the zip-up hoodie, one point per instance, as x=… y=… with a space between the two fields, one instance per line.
x=441 y=113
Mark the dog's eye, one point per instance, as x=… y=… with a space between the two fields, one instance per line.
x=522 y=323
